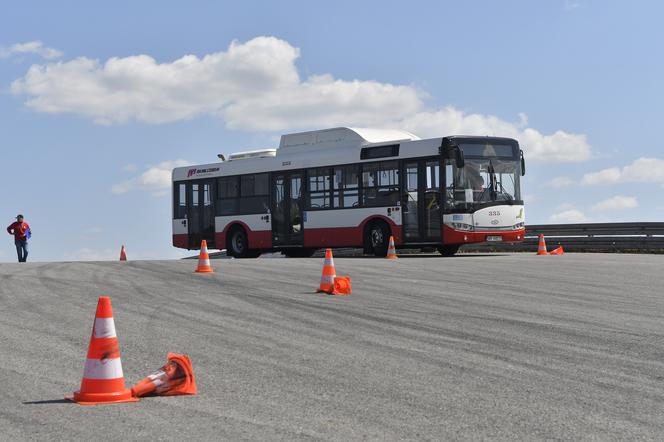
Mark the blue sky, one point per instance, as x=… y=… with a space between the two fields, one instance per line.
x=97 y=102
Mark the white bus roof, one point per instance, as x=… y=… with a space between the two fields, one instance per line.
x=340 y=145
x=326 y=138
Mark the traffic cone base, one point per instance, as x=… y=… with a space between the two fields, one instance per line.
x=103 y=380
x=175 y=378
x=101 y=398
x=391 y=251
x=204 y=260
x=329 y=273
x=541 y=246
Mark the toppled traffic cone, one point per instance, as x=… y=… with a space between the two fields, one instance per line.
x=204 y=260
x=329 y=273
x=342 y=286
x=123 y=254
x=541 y=247
x=391 y=251
x=176 y=377
x=103 y=381
x=557 y=251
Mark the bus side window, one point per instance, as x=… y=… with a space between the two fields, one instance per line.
x=180 y=206
x=254 y=191
x=228 y=201
x=380 y=183
x=318 y=188
x=346 y=186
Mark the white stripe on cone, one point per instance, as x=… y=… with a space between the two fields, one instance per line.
x=105 y=328
x=103 y=368
x=327 y=279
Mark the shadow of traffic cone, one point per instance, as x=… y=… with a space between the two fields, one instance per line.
x=557 y=251
x=204 y=260
x=541 y=247
x=103 y=381
x=176 y=377
x=391 y=251
x=327 y=278
x=123 y=254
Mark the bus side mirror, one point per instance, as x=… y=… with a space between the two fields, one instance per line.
x=523 y=164
x=459 y=158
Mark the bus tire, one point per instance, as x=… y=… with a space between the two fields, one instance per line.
x=448 y=250
x=378 y=237
x=237 y=244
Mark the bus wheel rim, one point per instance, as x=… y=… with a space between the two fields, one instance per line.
x=376 y=236
x=238 y=243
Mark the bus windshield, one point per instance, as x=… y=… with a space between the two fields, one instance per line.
x=483 y=181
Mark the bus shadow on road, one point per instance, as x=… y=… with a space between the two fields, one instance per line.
x=415 y=255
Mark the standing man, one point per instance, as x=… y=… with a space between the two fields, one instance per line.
x=21 y=232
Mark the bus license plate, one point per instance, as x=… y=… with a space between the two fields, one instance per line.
x=494 y=238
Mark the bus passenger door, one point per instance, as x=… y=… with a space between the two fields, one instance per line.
x=410 y=205
x=421 y=201
x=286 y=210
x=432 y=199
x=200 y=213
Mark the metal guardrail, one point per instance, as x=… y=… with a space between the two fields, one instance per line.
x=589 y=237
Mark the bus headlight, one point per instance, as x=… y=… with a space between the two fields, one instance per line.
x=518 y=226
x=461 y=226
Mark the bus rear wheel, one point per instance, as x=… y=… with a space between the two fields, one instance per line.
x=238 y=244
x=448 y=250
x=378 y=237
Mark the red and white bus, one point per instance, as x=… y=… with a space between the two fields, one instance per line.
x=350 y=187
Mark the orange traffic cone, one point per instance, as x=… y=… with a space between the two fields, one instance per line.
x=327 y=278
x=541 y=247
x=103 y=381
x=204 y=260
x=391 y=251
x=176 y=377
x=123 y=254
x=557 y=251
x=342 y=286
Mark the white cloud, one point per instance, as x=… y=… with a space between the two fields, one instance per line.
x=560 y=182
x=568 y=216
x=255 y=86
x=155 y=179
x=617 y=203
x=31 y=47
x=642 y=170
x=570 y=5
x=531 y=198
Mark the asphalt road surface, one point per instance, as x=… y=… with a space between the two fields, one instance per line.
x=470 y=347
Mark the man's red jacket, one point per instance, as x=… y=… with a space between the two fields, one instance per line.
x=19 y=230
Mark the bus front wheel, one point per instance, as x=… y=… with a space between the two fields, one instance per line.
x=238 y=244
x=448 y=250
x=378 y=237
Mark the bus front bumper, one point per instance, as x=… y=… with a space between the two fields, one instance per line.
x=451 y=236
